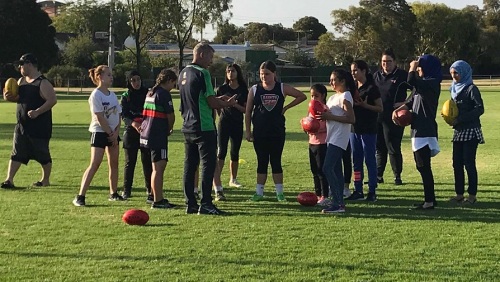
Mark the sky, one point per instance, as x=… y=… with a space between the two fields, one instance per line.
x=287 y=12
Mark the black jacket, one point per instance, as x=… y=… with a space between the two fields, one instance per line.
x=470 y=108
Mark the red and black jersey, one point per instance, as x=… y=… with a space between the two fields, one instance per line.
x=155 y=128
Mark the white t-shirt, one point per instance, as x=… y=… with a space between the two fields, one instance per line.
x=337 y=133
x=107 y=104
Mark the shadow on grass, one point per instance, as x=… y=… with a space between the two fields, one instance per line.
x=79 y=256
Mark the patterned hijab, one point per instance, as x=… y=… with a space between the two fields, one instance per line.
x=465 y=71
x=431 y=66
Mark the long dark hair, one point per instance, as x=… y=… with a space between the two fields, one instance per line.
x=345 y=76
x=320 y=88
x=239 y=77
x=362 y=65
x=164 y=76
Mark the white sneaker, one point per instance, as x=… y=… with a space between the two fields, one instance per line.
x=324 y=202
x=234 y=183
x=347 y=192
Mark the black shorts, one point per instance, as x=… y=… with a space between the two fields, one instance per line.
x=100 y=140
x=26 y=148
x=158 y=155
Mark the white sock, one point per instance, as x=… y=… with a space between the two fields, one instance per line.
x=279 y=188
x=259 y=189
x=196 y=190
x=218 y=188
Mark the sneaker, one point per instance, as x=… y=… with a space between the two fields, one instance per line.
x=324 y=202
x=234 y=183
x=150 y=199
x=347 y=192
x=334 y=209
x=356 y=196
x=163 y=204
x=257 y=198
x=115 y=197
x=126 y=195
x=280 y=197
x=380 y=179
x=192 y=209
x=79 y=201
x=398 y=181
x=210 y=210
x=219 y=196
x=8 y=185
x=371 y=197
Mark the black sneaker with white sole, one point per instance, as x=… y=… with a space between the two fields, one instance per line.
x=150 y=199
x=356 y=196
x=371 y=197
x=210 y=210
x=115 y=197
x=79 y=201
x=163 y=204
x=192 y=209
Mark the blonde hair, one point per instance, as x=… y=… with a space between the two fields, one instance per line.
x=95 y=72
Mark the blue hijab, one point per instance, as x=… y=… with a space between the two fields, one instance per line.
x=431 y=66
x=465 y=71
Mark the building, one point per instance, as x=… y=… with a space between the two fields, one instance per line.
x=52 y=8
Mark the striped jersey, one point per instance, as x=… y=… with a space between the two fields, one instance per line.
x=155 y=128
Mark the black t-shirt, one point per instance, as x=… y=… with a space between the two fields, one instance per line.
x=30 y=99
x=267 y=117
x=233 y=115
x=155 y=128
x=392 y=87
x=366 y=120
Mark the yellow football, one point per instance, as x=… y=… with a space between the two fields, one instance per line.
x=12 y=87
x=449 y=111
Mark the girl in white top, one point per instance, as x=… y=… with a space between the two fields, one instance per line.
x=105 y=129
x=338 y=129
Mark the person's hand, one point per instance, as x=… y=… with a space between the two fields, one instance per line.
x=136 y=125
x=413 y=65
x=232 y=100
x=8 y=96
x=249 y=136
x=397 y=105
x=324 y=115
x=33 y=114
x=360 y=102
x=395 y=118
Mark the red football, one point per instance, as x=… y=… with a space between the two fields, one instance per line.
x=309 y=124
x=307 y=199
x=316 y=107
x=135 y=217
x=403 y=117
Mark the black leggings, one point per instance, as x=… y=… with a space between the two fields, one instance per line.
x=130 y=161
x=317 y=154
x=269 y=150
x=423 y=162
x=464 y=155
x=226 y=132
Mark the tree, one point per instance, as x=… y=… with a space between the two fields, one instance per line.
x=184 y=15
x=79 y=50
x=331 y=51
x=311 y=26
x=26 y=28
x=300 y=58
x=90 y=16
x=228 y=33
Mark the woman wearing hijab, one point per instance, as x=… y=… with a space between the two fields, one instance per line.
x=425 y=77
x=467 y=130
x=132 y=104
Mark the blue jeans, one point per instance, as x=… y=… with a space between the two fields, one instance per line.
x=332 y=168
x=363 y=149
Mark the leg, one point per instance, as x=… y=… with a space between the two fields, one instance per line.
x=191 y=162
x=207 y=148
x=334 y=176
x=347 y=165
x=470 y=149
x=357 y=161
x=46 y=170
x=157 y=179
x=395 y=135
x=236 y=139
x=262 y=152
x=223 y=132
x=369 y=147
x=382 y=140
x=315 y=168
x=147 y=168
x=275 y=154
x=112 y=153
x=423 y=163
x=19 y=155
x=128 y=173
x=12 y=170
x=96 y=156
x=458 y=169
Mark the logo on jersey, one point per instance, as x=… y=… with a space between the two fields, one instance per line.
x=184 y=78
x=269 y=101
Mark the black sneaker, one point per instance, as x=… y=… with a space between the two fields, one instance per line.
x=355 y=196
x=126 y=195
x=210 y=210
x=115 y=197
x=79 y=201
x=380 y=179
x=163 y=204
x=371 y=197
x=219 y=196
x=150 y=199
x=398 y=181
x=192 y=209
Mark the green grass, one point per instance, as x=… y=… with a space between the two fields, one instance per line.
x=43 y=237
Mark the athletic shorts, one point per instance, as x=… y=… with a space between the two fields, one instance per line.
x=100 y=140
x=26 y=148
x=158 y=155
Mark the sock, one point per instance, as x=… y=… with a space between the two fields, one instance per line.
x=259 y=189
x=196 y=190
x=279 y=188
x=218 y=188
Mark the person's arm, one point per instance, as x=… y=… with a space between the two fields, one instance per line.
x=49 y=95
x=291 y=91
x=476 y=112
x=248 y=115
x=377 y=107
x=125 y=103
x=171 y=121
x=349 y=116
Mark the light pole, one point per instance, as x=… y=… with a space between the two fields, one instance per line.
x=111 y=50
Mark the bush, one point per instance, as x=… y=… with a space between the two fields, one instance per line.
x=64 y=75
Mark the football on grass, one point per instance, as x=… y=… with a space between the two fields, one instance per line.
x=307 y=199
x=135 y=217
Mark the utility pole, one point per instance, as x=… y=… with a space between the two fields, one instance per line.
x=111 y=51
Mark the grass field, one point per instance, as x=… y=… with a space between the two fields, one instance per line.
x=43 y=237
